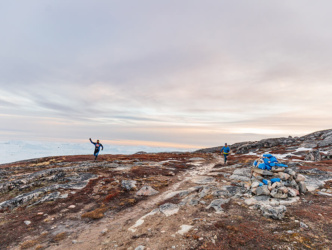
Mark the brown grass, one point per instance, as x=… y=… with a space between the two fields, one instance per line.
x=96 y=214
x=60 y=236
x=29 y=243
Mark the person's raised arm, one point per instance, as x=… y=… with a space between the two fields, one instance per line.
x=91 y=141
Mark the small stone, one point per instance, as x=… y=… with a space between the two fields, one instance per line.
x=104 y=231
x=74 y=241
x=27 y=222
x=255 y=184
x=40 y=213
x=147 y=191
x=200 y=239
x=303 y=225
x=140 y=247
x=128 y=185
x=72 y=206
x=184 y=229
x=297 y=221
x=173 y=247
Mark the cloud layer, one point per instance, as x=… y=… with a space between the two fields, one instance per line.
x=182 y=72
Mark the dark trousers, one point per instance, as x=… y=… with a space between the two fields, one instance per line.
x=225 y=157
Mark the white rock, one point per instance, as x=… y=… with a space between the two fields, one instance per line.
x=27 y=222
x=184 y=229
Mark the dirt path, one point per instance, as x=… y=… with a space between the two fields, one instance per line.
x=119 y=223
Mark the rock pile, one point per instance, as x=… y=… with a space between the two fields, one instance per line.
x=271 y=178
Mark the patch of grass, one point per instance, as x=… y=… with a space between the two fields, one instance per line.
x=96 y=214
x=29 y=243
x=60 y=236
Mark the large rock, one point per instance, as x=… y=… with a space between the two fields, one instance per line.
x=169 y=209
x=262 y=190
x=147 y=191
x=216 y=204
x=242 y=174
x=276 y=213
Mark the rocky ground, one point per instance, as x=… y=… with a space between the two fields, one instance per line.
x=167 y=200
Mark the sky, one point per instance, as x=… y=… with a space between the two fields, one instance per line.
x=175 y=73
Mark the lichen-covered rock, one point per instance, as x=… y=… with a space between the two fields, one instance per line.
x=128 y=185
x=277 y=212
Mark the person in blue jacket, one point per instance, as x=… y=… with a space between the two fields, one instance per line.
x=225 y=150
x=98 y=145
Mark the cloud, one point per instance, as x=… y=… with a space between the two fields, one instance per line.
x=183 y=72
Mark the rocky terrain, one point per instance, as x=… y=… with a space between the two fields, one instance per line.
x=172 y=200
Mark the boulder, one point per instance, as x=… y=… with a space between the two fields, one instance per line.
x=262 y=190
x=128 y=185
x=276 y=213
x=147 y=191
x=216 y=204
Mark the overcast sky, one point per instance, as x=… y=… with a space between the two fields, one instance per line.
x=176 y=72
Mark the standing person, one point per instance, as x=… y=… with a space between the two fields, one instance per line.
x=97 y=147
x=226 y=151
